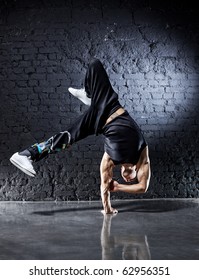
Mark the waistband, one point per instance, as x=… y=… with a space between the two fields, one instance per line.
x=116 y=114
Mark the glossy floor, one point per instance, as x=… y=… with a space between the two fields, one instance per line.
x=143 y=229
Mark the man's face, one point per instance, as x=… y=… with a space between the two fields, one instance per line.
x=128 y=172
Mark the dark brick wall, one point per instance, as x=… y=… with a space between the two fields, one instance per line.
x=151 y=52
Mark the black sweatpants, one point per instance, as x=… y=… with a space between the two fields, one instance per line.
x=104 y=102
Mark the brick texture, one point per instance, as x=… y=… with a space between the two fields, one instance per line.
x=151 y=52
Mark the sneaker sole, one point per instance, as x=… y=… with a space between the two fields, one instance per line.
x=22 y=168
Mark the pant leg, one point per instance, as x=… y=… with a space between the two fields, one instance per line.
x=81 y=128
x=54 y=144
x=97 y=83
x=104 y=100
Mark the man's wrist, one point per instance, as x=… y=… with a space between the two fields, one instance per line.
x=118 y=187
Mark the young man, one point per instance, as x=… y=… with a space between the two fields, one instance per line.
x=124 y=143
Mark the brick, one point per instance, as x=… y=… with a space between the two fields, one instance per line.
x=33 y=83
x=17 y=57
x=158 y=102
x=57 y=76
x=38 y=76
x=48 y=50
x=27 y=50
x=42 y=57
x=41 y=70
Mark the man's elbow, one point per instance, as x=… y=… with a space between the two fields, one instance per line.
x=144 y=188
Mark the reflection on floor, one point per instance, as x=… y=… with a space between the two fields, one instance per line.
x=133 y=247
x=143 y=229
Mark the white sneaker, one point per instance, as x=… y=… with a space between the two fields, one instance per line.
x=24 y=163
x=80 y=94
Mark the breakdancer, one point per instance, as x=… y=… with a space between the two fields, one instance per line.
x=124 y=143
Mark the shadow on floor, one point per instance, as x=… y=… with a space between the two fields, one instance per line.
x=151 y=206
x=154 y=206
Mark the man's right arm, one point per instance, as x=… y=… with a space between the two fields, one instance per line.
x=106 y=172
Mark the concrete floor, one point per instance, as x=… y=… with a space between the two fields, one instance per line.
x=143 y=229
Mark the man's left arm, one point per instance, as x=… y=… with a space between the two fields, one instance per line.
x=143 y=178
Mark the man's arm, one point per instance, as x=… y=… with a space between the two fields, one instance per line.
x=143 y=177
x=140 y=187
x=106 y=173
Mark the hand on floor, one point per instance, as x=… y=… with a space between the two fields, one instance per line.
x=111 y=211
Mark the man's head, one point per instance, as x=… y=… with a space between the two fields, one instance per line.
x=128 y=172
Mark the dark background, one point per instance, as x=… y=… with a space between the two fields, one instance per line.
x=151 y=52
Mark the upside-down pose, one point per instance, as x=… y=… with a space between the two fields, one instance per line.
x=124 y=143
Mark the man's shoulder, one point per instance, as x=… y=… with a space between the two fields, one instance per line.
x=106 y=160
x=144 y=157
